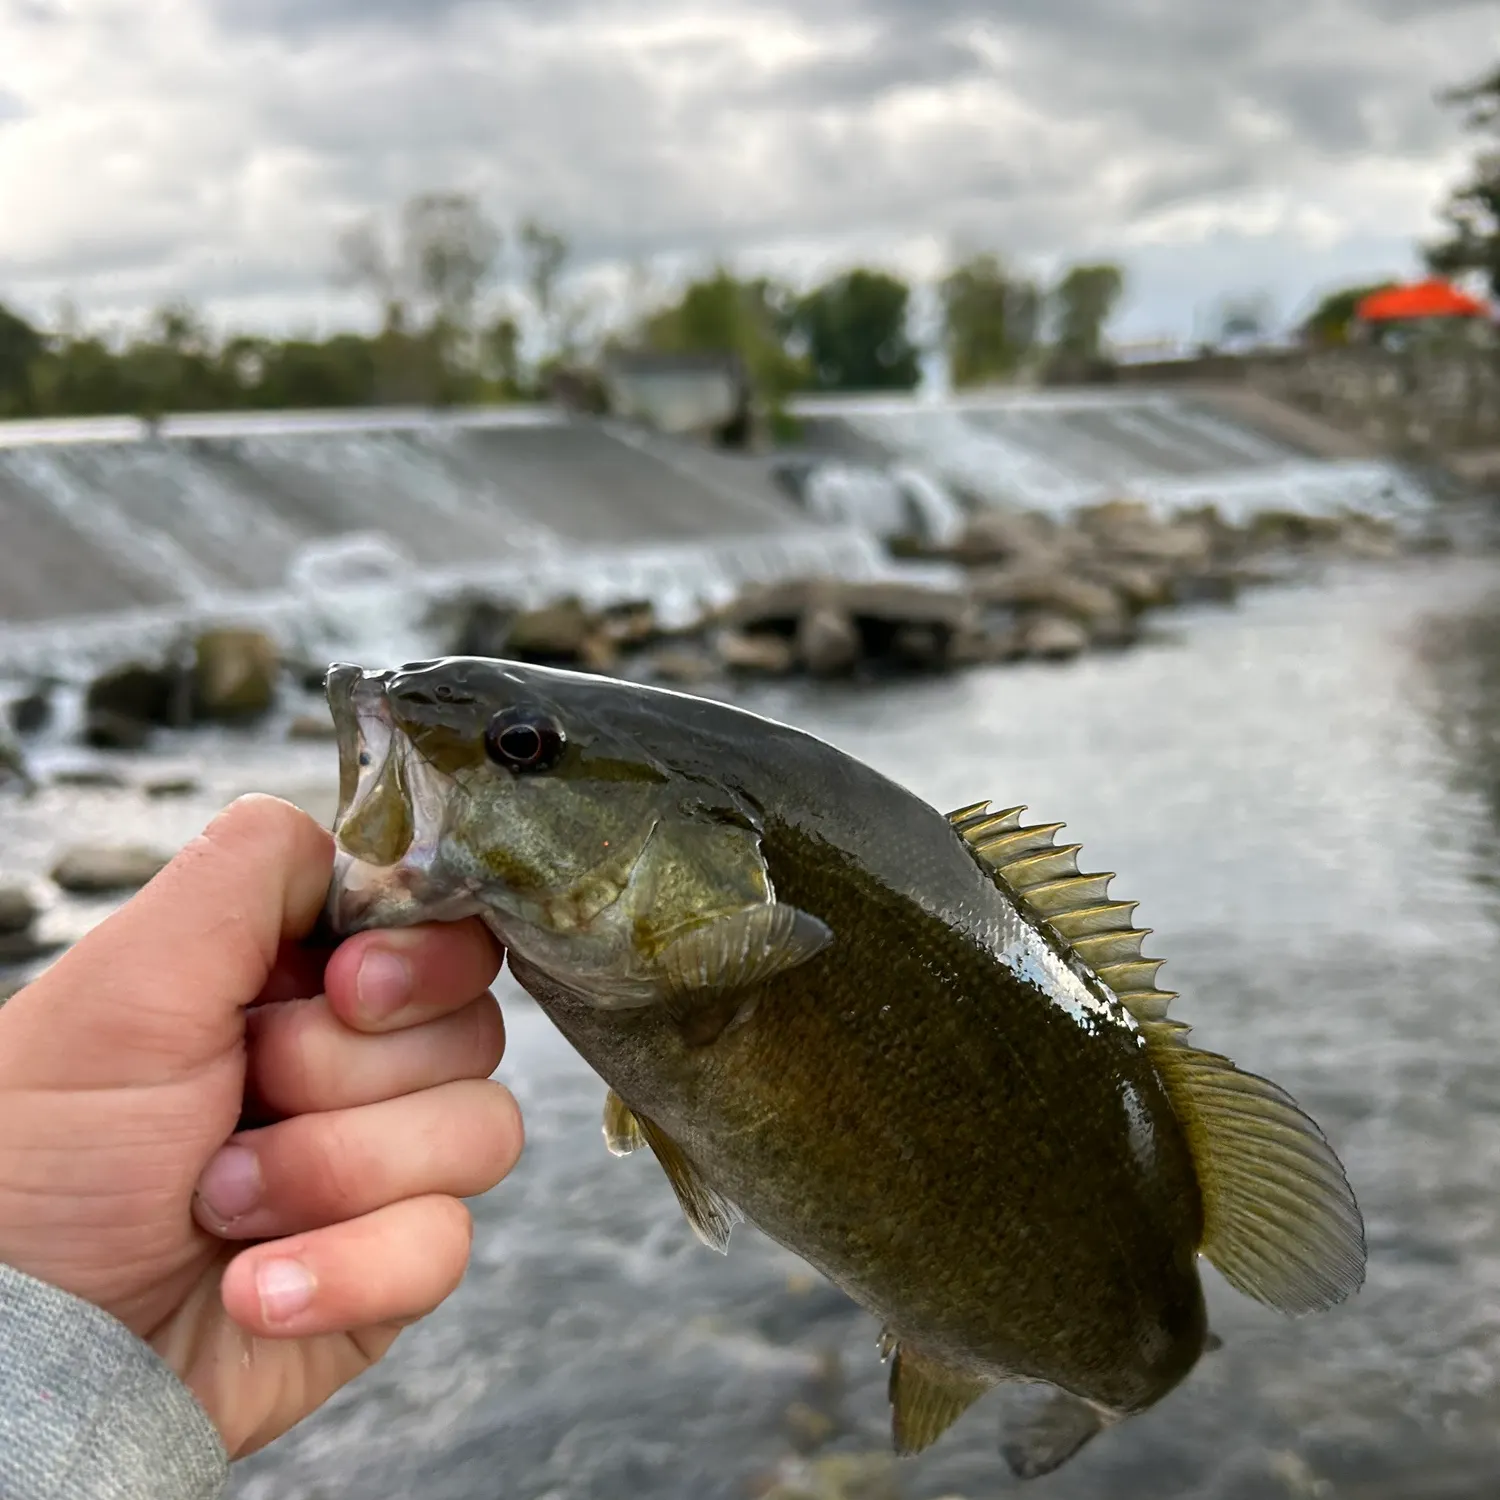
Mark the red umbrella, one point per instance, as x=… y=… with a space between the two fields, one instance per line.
x=1422 y=299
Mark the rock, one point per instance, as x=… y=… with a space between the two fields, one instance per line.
x=12 y=985
x=311 y=727
x=1127 y=529
x=235 y=673
x=181 y=785
x=681 y=665
x=121 y=708
x=564 y=634
x=99 y=869
x=1094 y=605
x=14 y=772
x=22 y=947
x=1140 y=585
x=998 y=536
x=32 y=712
x=1053 y=637
x=744 y=651
x=472 y=624
x=18 y=908
x=828 y=641
x=629 y=624
x=102 y=778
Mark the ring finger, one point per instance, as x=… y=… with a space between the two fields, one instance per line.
x=314 y=1170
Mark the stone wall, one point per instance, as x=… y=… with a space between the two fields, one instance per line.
x=1419 y=401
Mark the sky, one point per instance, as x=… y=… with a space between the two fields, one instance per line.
x=214 y=150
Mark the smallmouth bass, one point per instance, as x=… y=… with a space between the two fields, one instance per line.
x=923 y=1052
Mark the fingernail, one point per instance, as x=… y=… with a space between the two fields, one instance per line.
x=231 y=1184
x=285 y=1288
x=383 y=984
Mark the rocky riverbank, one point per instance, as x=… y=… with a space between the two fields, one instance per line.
x=1028 y=587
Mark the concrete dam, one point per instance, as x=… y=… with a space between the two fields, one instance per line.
x=110 y=528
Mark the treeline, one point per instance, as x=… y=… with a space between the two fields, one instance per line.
x=454 y=293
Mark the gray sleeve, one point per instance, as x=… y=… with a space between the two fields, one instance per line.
x=89 y=1412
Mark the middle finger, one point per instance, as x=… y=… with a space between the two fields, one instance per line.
x=304 y=1060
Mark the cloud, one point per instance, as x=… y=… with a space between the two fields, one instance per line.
x=214 y=148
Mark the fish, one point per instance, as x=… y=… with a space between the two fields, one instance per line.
x=922 y=1051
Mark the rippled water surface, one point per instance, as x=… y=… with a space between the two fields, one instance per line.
x=1304 y=795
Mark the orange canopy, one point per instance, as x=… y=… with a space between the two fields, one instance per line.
x=1422 y=299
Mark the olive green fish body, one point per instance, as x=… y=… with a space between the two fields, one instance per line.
x=922 y=1052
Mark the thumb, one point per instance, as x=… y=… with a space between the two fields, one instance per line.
x=157 y=990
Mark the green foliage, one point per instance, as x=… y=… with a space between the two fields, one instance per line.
x=990 y=321
x=721 y=314
x=854 y=329
x=1082 y=303
x=1331 y=321
x=1472 y=213
x=20 y=347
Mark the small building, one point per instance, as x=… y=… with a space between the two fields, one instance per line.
x=1423 y=312
x=690 y=395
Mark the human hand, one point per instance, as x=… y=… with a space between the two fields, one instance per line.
x=128 y=1065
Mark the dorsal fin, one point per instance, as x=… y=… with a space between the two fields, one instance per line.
x=1279 y=1217
x=1044 y=879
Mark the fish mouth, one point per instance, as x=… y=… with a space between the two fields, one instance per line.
x=389 y=825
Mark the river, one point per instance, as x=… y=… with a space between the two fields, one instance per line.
x=1304 y=794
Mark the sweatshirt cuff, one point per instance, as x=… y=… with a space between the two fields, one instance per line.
x=90 y=1412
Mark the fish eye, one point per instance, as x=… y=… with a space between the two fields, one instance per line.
x=524 y=739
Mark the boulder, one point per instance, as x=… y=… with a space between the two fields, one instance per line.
x=1094 y=605
x=564 y=634
x=999 y=536
x=472 y=624
x=1053 y=637
x=100 y=869
x=32 y=711
x=97 y=778
x=311 y=727
x=235 y=673
x=18 y=908
x=22 y=947
x=681 y=665
x=121 y=708
x=15 y=774
x=183 y=784
x=757 y=652
x=828 y=641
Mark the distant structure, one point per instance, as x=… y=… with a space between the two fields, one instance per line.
x=706 y=396
x=1420 y=311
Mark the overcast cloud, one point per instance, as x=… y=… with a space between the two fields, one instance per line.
x=214 y=148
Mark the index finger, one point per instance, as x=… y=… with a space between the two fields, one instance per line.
x=157 y=990
x=390 y=978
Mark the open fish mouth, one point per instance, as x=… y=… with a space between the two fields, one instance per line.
x=389 y=825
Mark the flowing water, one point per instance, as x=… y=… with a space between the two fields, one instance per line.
x=1304 y=793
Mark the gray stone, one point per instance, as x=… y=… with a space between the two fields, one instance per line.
x=18 y=908
x=99 y=869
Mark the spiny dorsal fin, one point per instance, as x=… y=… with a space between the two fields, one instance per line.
x=1044 y=879
x=1279 y=1217
x=927 y=1398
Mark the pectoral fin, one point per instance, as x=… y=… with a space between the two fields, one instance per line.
x=710 y=1213
x=1046 y=1428
x=705 y=972
x=622 y=1131
x=927 y=1398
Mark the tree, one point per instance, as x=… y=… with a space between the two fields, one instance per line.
x=1082 y=303
x=721 y=314
x=989 y=320
x=21 y=346
x=1472 y=213
x=854 y=328
x=1332 y=320
x=428 y=287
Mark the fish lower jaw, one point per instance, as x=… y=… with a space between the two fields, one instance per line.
x=362 y=895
